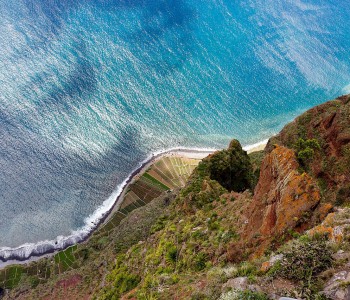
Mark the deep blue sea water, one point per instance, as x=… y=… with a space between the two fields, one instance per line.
x=90 y=88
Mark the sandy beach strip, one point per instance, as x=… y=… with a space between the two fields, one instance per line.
x=187 y=153
x=256 y=147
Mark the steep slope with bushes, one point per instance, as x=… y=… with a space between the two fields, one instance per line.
x=274 y=223
x=219 y=220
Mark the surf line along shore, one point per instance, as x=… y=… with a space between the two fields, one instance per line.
x=32 y=252
x=23 y=255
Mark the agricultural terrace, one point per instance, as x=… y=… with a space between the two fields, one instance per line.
x=167 y=173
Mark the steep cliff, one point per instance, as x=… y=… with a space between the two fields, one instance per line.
x=329 y=125
x=275 y=223
x=283 y=200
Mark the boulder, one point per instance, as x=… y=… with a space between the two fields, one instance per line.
x=338 y=287
x=239 y=283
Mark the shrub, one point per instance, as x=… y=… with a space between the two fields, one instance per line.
x=125 y=282
x=230 y=235
x=303 y=261
x=200 y=261
x=159 y=225
x=246 y=269
x=306 y=154
x=306 y=149
x=213 y=225
x=250 y=295
x=274 y=270
x=343 y=195
x=34 y=281
x=302 y=144
x=171 y=254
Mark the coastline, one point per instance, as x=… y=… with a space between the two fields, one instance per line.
x=27 y=253
x=256 y=147
x=189 y=153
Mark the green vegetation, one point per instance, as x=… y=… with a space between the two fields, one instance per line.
x=343 y=195
x=256 y=159
x=65 y=259
x=193 y=242
x=231 y=168
x=246 y=269
x=321 y=138
x=194 y=237
x=160 y=224
x=224 y=170
x=13 y=276
x=250 y=295
x=122 y=282
x=156 y=182
x=303 y=259
x=114 y=238
x=306 y=150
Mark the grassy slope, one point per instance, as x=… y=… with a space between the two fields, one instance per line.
x=128 y=226
x=188 y=255
x=193 y=238
x=184 y=251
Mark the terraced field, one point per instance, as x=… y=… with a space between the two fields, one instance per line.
x=165 y=174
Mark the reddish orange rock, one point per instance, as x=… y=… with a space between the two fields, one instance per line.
x=325 y=210
x=265 y=266
x=283 y=198
x=329 y=228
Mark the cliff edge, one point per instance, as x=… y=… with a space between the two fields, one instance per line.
x=271 y=224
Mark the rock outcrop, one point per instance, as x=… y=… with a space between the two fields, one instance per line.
x=329 y=124
x=228 y=234
x=283 y=199
x=338 y=287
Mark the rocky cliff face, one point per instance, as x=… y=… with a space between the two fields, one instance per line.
x=329 y=124
x=294 y=194
x=230 y=235
x=283 y=199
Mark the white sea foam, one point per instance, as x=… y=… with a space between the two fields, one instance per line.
x=27 y=250
x=346 y=89
x=76 y=100
x=256 y=145
x=41 y=248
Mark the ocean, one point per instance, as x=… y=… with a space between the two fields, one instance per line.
x=89 y=89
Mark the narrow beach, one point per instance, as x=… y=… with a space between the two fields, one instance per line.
x=197 y=154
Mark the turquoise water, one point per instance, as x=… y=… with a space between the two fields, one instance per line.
x=90 y=88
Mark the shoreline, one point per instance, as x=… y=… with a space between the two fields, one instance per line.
x=190 y=153
x=31 y=252
x=256 y=147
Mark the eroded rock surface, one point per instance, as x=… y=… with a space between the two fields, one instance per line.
x=283 y=198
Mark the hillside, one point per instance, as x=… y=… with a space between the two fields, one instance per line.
x=260 y=226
